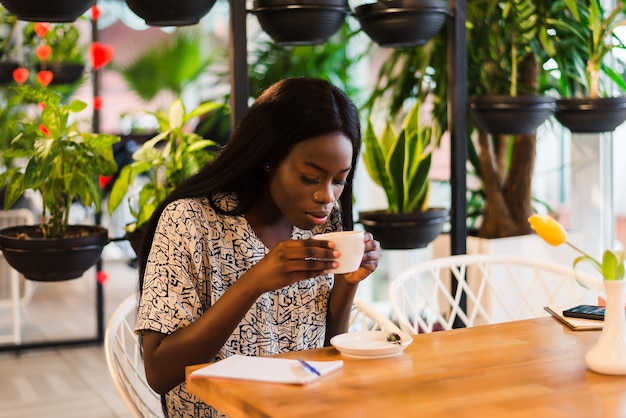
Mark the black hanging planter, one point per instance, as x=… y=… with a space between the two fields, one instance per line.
x=300 y=22
x=51 y=260
x=511 y=114
x=6 y=71
x=586 y=115
x=56 y=11
x=64 y=72
x=402 y=23
x=171 y=12
x=401 y=231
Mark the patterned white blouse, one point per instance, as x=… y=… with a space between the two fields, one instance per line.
x=196 y=255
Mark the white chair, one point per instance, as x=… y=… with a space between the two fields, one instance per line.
x=125 y=363
x=364 y=317
x=15 y=290
x=496 y=288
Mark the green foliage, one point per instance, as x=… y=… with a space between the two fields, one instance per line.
x=168 y=159
x=400 y=163
x=64 y=41
x=331 y=61
x=172 y=65
x=63 y=164
x=587 y=34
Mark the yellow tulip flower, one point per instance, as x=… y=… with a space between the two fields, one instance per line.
x=552 y=232
x=548 y=229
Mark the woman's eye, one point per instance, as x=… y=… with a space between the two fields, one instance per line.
x=309 y=180
x=340 y=182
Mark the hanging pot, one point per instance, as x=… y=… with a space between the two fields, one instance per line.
x=587 y=115
x=171 y=12
x=511 y=114
x=6 y=71
x=402 y=23
x=47 y=10
x=64 y=72
x=400 y=231
x=50 y=260
x=304 y=22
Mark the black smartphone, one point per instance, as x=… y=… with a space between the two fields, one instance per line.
x=585 y=312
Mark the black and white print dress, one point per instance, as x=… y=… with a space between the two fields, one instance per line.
x=196 y=255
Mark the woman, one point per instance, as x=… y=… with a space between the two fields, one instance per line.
x=228 y=266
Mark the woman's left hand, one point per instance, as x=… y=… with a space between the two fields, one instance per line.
x=369 y=262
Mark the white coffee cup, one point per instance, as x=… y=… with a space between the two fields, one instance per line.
x=350 y=244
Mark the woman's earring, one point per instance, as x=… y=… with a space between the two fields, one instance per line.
x=267 y=167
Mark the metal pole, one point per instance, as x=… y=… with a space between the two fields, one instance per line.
x=238 y=56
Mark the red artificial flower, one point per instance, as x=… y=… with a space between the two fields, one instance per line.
x=43 y=128
x=97 y=102
x=43 y=52
x=95 y=12
x=102 y=277
x=44 y=77
x=42 y=28
x=100 y=54
x=104 y=180
x=20 y=75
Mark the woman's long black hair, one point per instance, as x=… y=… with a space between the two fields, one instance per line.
x=289 y=111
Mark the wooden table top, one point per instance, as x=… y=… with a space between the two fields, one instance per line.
x=530 y=368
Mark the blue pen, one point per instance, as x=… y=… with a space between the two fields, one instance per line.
x=309 y=367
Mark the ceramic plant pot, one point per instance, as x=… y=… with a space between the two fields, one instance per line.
x=64 y=72
x=510 y=114
x=47 y=10
x=50 y=260
x=171 y=13
x=304 y=22
x=400 y=231
x=586 y=115
x=402 y=23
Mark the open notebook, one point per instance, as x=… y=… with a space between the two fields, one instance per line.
x=266 y=369
x=577 y=324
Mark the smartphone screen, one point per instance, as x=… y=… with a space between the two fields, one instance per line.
x=585 y=312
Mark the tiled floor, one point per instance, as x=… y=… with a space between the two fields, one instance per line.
x=64 y=382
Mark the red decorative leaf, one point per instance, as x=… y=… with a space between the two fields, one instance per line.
x=43 y=128
x=20 y=75
x=95 y=12
x=44 y=77
x=42 y=28
x=97 y=102
x=43 y=52
x=100 y=54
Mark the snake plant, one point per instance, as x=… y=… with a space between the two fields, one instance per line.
x=400 y=162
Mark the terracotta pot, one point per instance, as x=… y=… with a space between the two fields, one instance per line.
x=50 y=260
x=591 y=115
x=47 y=10
x=511 y=114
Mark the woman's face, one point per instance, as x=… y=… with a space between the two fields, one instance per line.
x=308 y=182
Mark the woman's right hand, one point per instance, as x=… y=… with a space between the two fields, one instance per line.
x=294 y=260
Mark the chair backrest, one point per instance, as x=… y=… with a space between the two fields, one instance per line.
x=365 y=317
x=125 y=363
x=427 y=296
x=14 y=217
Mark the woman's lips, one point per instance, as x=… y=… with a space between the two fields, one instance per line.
x=317 y=218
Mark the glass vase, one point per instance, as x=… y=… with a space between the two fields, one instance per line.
x=608 y=355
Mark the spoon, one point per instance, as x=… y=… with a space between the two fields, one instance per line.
x=394 y=338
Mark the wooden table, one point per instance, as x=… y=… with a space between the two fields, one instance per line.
x=531 y=368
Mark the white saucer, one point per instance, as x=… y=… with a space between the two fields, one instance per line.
x=369 y=344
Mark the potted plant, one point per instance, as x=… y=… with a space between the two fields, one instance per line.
x=589 y=39
x=167 y=13
x=167 y=159
x=59 y=50
x=400 y=164
x=62 y=164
